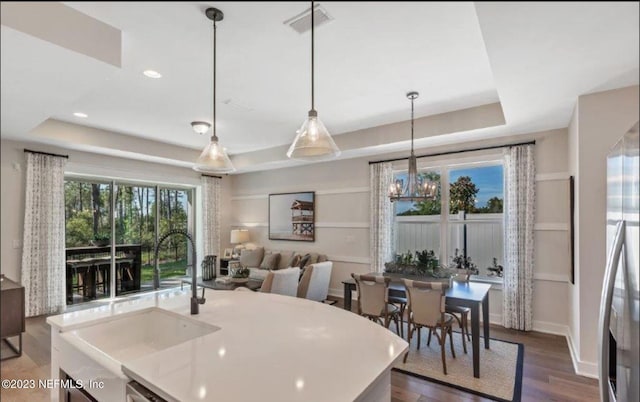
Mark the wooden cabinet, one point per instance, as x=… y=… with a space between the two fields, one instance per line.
x=12 y=321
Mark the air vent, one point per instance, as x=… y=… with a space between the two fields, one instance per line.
x=301 y=23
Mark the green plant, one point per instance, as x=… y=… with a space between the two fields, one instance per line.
x=496 y=269
x=462 y=262
x=240 y=272
x=102 y=236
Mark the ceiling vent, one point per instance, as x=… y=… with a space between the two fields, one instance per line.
x=301 y=23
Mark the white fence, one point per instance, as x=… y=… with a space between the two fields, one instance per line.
x=484 y=237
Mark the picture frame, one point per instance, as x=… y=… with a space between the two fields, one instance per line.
x=292 y=216
x=228 y=252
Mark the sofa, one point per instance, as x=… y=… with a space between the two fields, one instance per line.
x=260 y=260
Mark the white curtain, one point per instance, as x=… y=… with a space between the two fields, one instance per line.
x=520 y=195
x=211 y=215
x=381 y=228
x=43 y=254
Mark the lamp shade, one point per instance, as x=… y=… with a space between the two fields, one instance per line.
x=239 y=236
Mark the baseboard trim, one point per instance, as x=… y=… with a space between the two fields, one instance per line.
x=585 y=369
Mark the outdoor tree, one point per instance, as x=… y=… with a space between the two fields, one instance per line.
x=463 y=193
x=495 y=205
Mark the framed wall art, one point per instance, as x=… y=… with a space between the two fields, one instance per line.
x=292 y=216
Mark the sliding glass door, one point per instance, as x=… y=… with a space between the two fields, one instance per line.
x=112 y=229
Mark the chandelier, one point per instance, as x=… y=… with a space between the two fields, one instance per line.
x=417 y=188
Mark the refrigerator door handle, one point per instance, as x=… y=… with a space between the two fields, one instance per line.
x=605 y=311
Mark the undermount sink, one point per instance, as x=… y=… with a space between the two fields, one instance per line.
x=135 y=335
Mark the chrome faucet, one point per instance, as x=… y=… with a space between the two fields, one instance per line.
x=195 y=300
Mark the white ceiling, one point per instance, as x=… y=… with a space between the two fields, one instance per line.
x=533 y=58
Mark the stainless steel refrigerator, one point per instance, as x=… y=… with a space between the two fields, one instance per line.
x=618 y=327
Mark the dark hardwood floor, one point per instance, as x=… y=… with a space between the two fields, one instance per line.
x=547 y=376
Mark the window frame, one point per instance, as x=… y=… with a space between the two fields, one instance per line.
x=445 y=166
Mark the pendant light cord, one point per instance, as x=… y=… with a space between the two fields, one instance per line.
x=313 y=106
x=214 y=80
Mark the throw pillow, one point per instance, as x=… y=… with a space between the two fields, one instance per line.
x=313 y=258
x=251 y=258
x=294 y=261
x=270 y=261
x=304 y=260
x=285 y=259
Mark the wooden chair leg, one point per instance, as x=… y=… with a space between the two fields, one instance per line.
x=429 y=337
x=405 y=356
x=453 y=352
x=419 y=338
x=395 y=321
x=442 y=346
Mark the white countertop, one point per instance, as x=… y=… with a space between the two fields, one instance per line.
x=269 y=348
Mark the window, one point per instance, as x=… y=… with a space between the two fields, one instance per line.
x=89 y=218
x=465 y=220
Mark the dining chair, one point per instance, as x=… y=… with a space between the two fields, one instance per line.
x=427 y=310
x=282 y=282
x=373 y=300
x=460 y=313
x=314 y=283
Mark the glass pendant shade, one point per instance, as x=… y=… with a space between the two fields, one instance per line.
x=214 y=159
x=313 y=141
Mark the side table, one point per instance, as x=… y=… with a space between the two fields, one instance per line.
x=224 y=265
x=12 y=316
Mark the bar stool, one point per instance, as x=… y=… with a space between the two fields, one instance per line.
x=123 y=272
x=103 y=270
x=84 y=277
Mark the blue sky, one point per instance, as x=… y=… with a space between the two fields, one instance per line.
x=488 y=179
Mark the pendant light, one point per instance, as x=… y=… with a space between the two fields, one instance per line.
x=313 y=141
x=214 y=158
x=416 y=188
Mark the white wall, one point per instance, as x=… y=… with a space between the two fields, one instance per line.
x=12 y=201
x=602 y=118
x=342 y=218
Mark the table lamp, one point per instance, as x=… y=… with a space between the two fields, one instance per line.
x=239 y=236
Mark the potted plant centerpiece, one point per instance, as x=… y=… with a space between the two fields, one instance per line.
x=423 y=264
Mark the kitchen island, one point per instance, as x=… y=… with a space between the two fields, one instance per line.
x=261 y=347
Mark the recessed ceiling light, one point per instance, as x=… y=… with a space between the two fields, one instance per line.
x=80 y=114
x=152 y=74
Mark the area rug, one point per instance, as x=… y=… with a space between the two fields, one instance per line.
x=500 y=367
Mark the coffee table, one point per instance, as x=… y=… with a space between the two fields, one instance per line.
x=252 y=284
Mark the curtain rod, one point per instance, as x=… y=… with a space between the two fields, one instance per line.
x=215 y=177
x=45 y=153
x=456 y=152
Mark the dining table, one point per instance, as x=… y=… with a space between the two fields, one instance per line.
x=474 y=295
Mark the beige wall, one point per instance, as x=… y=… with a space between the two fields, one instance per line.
x=602 y=118
x=342 y=217
x=93 y=165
